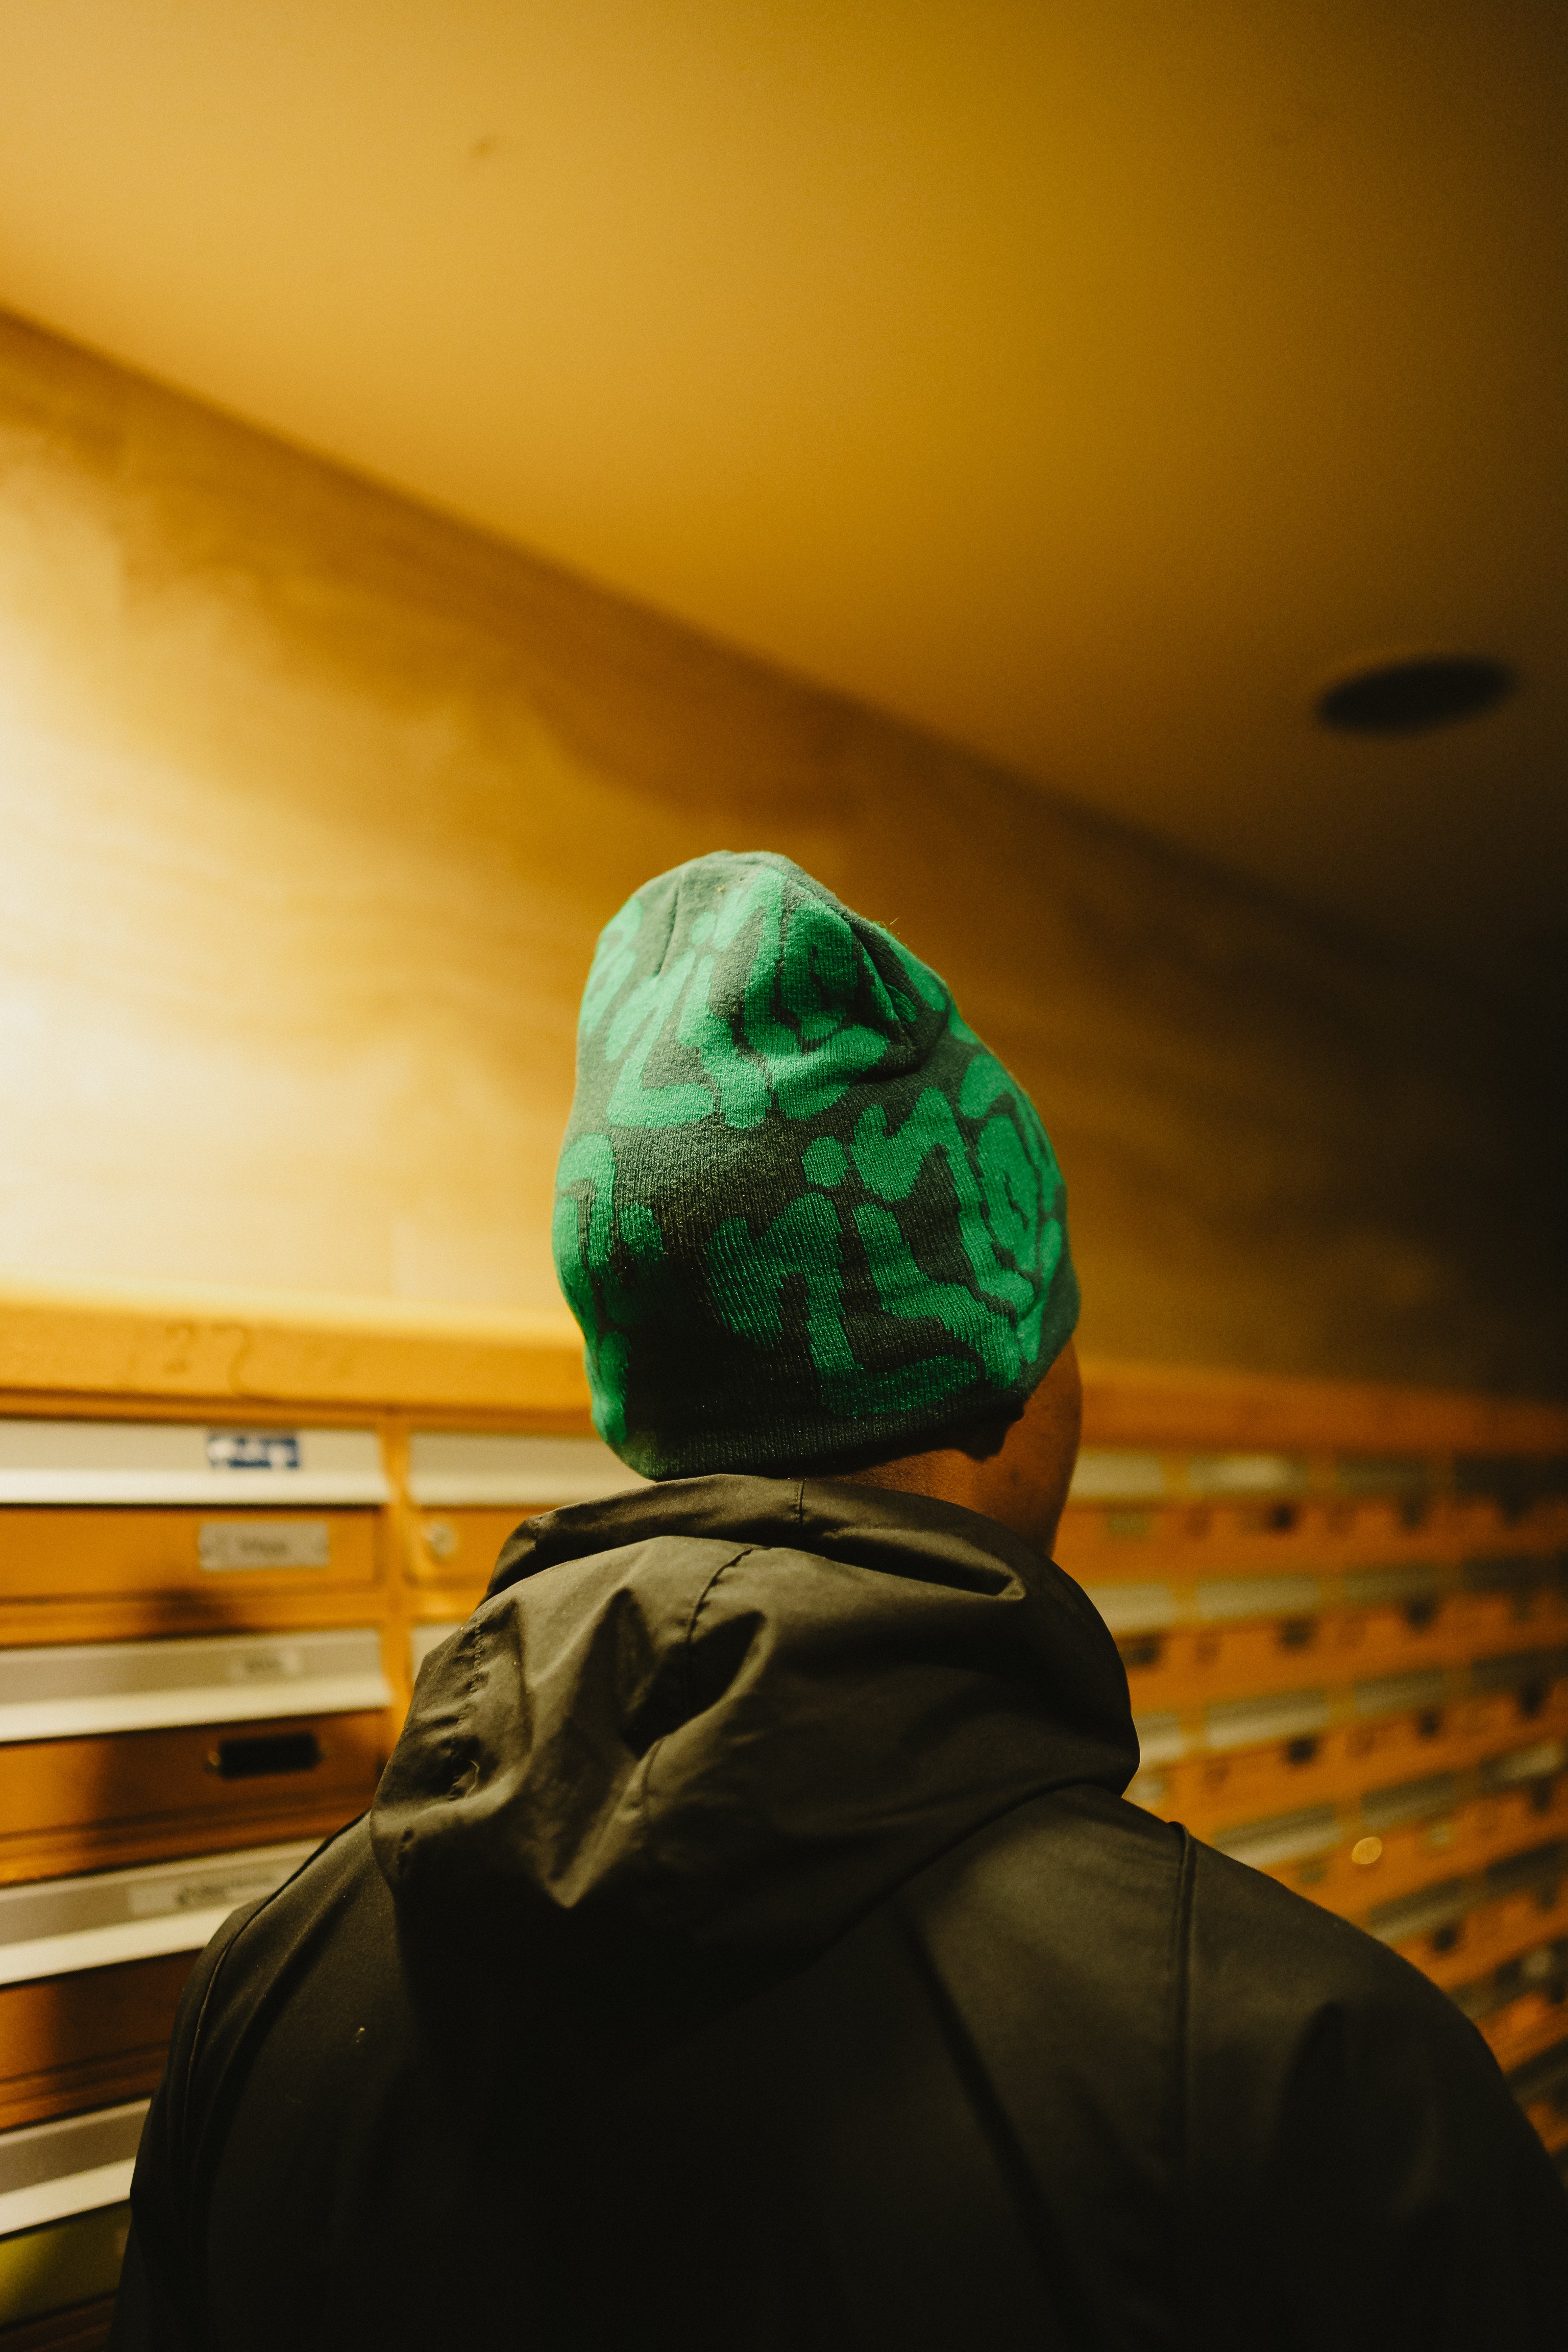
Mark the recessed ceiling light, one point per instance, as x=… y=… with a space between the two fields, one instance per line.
x=1403 y=696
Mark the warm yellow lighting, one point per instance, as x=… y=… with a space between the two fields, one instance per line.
x=1366 y=1851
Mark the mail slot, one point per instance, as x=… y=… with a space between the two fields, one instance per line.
x=63 y=2218
x=125 y=1507
x=1221 y=1659
x=1287 y=1838
x=71 y=1804
x=70 y=2268
x=159 y=1462
x=55 y=1689
x=1211 y=1636
x=1423 y=1627
x=1509 y=1592
x=1528 y=1676
x=1284 y=1777
x=1482 y=1926
x=1235 y=1759
x=1481 y=1835
x=1533 y=2021
x=87 y=2039
x=61 y=1926
x=208 y=1556
x=91 y=1969
x=513 y=1469
x=265 y=1754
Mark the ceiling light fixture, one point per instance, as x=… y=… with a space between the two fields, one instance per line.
x=1403 y=698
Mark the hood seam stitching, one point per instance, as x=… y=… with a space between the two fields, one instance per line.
x=646 y=1790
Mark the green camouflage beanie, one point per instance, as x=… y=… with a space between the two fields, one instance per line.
x=804 y=1217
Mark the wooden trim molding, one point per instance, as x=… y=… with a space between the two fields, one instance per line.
x=1167 y=1404
x=286 y=1348
x=159 y=1348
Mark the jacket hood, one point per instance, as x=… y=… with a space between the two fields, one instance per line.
x=728 y=1715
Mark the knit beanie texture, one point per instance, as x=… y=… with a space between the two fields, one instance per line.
x=805 y=1218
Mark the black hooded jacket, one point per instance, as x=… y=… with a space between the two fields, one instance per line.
x=750 y=1948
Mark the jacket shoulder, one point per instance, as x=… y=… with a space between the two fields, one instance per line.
x=1237 y=1955
x=1348 y=2130
x=1068 y=1867
x=1267 y=1969
x=1293 y=2131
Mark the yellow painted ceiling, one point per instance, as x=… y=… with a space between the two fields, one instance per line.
x=1089 y=380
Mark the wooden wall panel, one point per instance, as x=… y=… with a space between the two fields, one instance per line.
x=313 y=802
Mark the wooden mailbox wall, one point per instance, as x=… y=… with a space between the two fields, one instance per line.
x=1344 y=1611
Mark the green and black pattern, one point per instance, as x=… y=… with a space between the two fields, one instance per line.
x=803 y=1215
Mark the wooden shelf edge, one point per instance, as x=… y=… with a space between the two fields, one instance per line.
x=166 y=1345
x=285 y=1348
x=1168 y=1404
